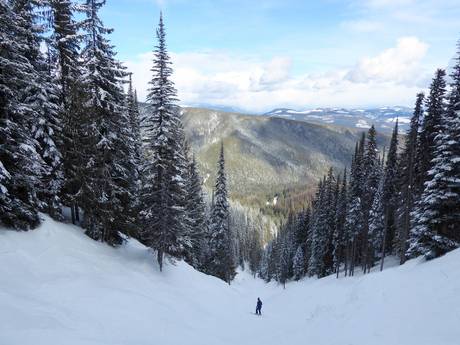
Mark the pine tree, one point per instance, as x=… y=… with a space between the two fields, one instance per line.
x=196 y=215
x=407 y=179
x=340 y=218
x=298 y=263
x=163 y=187
x=285 y=257
x=255 y=252
x=134 y=159
x=105 y=194
x=435 y=107
x=437 y=214
x=66 y=69
x=355 y=218
x=264 y=271
x=40 y=99
x=371 y=176
x=222 y=263
x=376 y=222
x=315 y=231
x=20 y=164
x=134 y=125
x=389 y=194
x=321 y=259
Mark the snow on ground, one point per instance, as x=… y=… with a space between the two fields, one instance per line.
x=362 y=124
x=59 y=287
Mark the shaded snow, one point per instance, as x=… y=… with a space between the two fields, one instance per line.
x=59 y=287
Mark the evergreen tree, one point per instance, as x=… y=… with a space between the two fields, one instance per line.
x=376 y=222
x=389 y=194
x=66 y=69
x=264 y=271
x=255 y=252
x=196 y=215
x=340 y=218
x=390 y=190
x=354 y=223
x=298 y=264
x=40 y=99
x=371 y=176
x=135 y=158
x=437 y=214
x=321 y=259
x=222 y=263
x=316 y=235
x=285 y=257
x=134 y=125
x=435 y=107
x=163 y=189
x=106 y=175
x=406 y=178
x=20 y=164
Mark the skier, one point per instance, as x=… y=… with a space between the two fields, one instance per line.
x=259 y=306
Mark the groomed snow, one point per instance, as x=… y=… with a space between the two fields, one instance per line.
x=59 y=287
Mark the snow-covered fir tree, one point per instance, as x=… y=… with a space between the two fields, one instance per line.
x=221 y=261
x=406 y=180
x=163 y=195
x=435 y=107
x=437 y=213
x=298 y=264
x=196 y=216
x=371 y=176
x=106 y=174
x=40 y=98
x=354 y=221
x=339 y=239
x=321 y=258
x=64 y=56
x=285 y=263
x=376 y=221
x=255 y=251
x=135 y=158
x=20 y=164
x=390 y=192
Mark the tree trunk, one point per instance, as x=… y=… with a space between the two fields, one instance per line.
x=160 y=259
x=77 y=213
x=384 y=239
x=72 y=212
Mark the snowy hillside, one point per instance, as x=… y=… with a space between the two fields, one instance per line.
x=59 y=287
x=382 y=118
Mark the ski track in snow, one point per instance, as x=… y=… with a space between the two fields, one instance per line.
x=59 y=287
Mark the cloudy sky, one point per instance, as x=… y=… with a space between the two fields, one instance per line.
x=256 y=55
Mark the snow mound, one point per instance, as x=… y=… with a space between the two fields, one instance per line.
x=59 y=287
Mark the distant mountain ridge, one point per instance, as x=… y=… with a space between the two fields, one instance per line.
x=383 y=118
x=265 y=155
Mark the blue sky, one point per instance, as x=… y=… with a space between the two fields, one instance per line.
x=257 y=55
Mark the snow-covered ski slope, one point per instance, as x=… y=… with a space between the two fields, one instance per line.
x=58 y=287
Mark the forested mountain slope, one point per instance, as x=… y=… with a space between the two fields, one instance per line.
x=265 y=155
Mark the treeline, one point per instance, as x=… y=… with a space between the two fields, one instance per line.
x=405 y=202
x=72 y=139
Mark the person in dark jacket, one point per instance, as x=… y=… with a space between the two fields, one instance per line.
x=259 y=306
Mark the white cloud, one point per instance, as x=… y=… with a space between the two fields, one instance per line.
x=400 y=63
x=275 y=71
x=248 y=82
